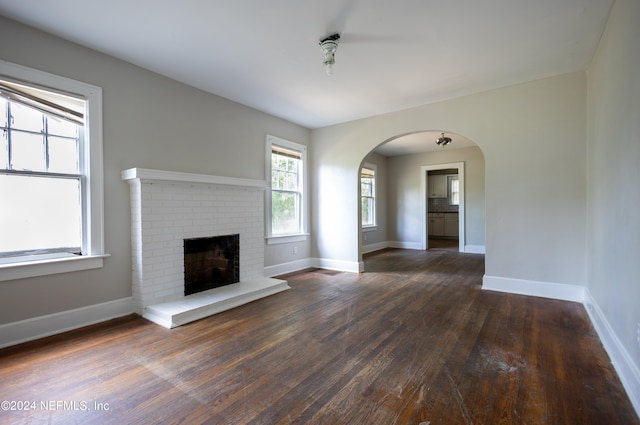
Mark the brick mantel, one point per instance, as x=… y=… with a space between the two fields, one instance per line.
x=175 y=176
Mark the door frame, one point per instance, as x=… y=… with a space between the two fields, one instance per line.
x=425 y=202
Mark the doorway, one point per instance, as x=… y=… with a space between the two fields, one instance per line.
x=424 y=183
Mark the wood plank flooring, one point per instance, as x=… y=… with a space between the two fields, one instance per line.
x=413 y=340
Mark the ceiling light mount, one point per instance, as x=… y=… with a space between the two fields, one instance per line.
x=329 y=45
x=443 y=141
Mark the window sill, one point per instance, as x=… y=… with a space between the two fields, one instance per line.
x=273 y=240
x=24 y=267
x=370 y=228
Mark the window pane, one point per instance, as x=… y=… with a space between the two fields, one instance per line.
x=39 y=213
x=454 y=191
x=292 y=165
x=367 y=212
x=3 y=111
x=26 y=118
x=4 y=150
x=278 y=180
x=284 y=172
x=285 y=213
x=27 y=151
x=60 y=127
x=290 y=181
x=366 y=187
x=63 y=155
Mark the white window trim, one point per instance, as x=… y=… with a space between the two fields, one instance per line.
x=303 y=235
x=93 y=210
x=374 y=226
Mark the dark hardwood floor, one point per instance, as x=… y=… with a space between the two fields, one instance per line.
x=413 y=340
x=444 y=244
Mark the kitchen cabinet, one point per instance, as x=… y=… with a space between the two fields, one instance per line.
x=437 y=186
x=436 y=224
x=451 y=224
x=443 y=224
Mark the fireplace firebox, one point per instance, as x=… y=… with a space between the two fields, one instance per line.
x=211 y=262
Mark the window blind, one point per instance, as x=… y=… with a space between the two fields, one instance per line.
x=58 y=105
x=367 y=173
x=286 y=152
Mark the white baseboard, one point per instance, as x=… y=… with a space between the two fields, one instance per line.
x=404 y=245
x=51 y=324
x=471 y=249
x=474 y=249
x=390 y=244
x=620 y=358
x=348 y=266
x=558 y=291
x=321 y=263
x=339 y=265
x=284 y=268
x=374 y=247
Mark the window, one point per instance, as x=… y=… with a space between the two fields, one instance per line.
x=453 y=184
x=368 y=195
x=50 y=173
x=39 y=174
x=286 y=203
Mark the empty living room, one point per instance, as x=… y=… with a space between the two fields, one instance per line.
x=337 y=212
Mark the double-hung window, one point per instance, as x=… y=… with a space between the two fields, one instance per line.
x=368 y=195
x=50 y=173
x=40 y=177
x=286 y=203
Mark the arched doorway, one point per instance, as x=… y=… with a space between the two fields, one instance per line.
x=407 y=159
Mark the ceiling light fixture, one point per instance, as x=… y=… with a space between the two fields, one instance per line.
x=329 y=45
x=443 y=141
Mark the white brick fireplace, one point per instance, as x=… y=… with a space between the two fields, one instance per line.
x=167 y=208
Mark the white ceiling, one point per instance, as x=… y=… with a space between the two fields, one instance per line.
x=392 y=55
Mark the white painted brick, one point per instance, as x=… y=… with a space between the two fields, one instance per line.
x=164 y=214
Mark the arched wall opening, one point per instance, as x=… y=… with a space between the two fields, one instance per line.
x=402 y=165
x=532 y=137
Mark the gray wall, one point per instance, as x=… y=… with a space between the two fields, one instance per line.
x=405 y=196
x=151 y=122
x=614 y=175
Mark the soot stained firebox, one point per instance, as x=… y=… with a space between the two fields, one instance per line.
x=211 y=262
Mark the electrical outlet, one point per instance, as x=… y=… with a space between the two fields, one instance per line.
x=638 y=333
x=295 y=249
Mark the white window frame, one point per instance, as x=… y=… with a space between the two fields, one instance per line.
x=93 y=248
x=304 y=203
x=374 y=168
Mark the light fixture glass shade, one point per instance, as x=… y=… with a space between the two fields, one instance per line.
x=328 y=67
x=329 y=46
x=443 y=141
